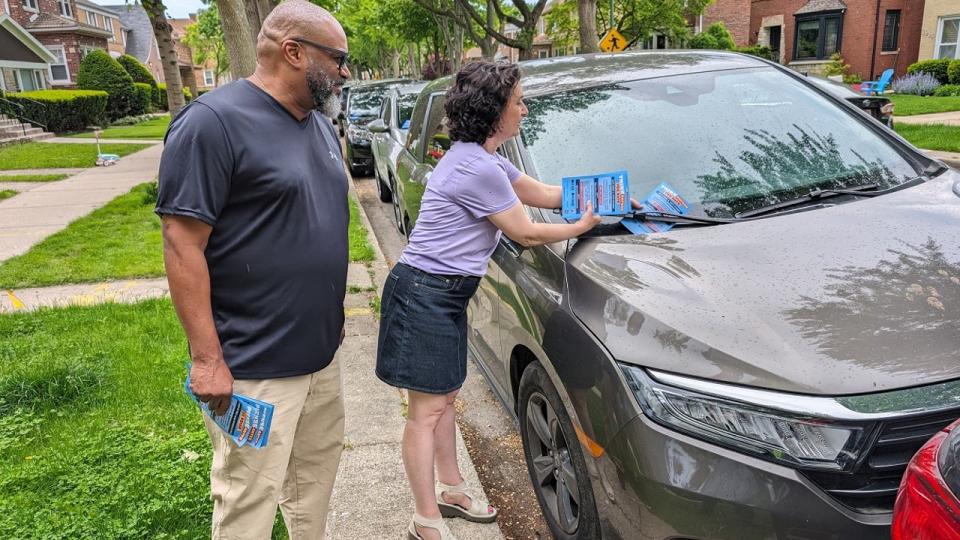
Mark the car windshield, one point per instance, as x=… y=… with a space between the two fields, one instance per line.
x=727 y=141
x=366 y=101
x=405 y=105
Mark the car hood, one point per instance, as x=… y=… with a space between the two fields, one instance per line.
x=855 y=298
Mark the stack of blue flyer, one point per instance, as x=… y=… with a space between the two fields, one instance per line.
x=609 y=193
x=662 y=199
x=247 y=420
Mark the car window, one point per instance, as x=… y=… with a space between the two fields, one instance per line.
x=405 y=104
x=365 y=102
x=727 y=141
x=437 y=136
x=416 y=126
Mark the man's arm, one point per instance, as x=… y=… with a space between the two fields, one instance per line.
x=184 y=241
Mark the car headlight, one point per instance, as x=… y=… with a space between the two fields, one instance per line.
x=788 y=436
x=359 y=134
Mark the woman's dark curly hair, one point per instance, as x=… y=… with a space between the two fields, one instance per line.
x=477 y=98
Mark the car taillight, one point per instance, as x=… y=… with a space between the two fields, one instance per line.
x=926 y=509
x=887 y=109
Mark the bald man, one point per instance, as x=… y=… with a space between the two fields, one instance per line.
x=253 y=198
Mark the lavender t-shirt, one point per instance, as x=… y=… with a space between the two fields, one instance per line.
x=452 y=234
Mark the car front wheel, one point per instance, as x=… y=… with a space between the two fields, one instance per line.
x=554 y=459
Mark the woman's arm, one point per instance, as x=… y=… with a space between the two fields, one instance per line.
x=533 y=192
x=516 y=224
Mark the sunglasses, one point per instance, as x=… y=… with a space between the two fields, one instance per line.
x=340 y=56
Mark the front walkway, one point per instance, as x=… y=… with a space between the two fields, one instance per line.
x=946 y=118
x=43 y=210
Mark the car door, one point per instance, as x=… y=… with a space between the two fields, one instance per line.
x=380 y=146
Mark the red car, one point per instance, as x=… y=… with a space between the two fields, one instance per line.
x=927 y=506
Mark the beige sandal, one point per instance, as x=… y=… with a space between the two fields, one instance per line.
x=480 y=510
x=423 y=522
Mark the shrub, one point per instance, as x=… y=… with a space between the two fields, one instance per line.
x=162 y=87
x=758 y=50
x=937 y=68
x=138 y=72
x=98 y=71
x=715 y=36
x=60 y=110
x=918 y=84
x=187 y=96
x=160 y=97
x=836 y=66
x=853 y=78
x=948 y=90
x=953 y=72
x=141 y=103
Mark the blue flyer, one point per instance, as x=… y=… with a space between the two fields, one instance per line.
x=246 y=422
x=608 y=192
x=662 y=199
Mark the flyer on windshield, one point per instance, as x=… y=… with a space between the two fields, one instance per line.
x=246 y=422
x=662 y=199
x=608 y=192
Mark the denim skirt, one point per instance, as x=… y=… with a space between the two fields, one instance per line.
x=423 y=330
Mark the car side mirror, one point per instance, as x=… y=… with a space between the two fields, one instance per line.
x=377 y=126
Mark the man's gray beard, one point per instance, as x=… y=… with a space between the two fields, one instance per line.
x=324 y=98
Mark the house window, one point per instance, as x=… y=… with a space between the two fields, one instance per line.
x=891 y=30
x=947 y=38
x=817 y=37
x=28 y=80
x=208 y=78
x=108 y=24
x=58 y=68
x=30 y=5
x=91 y=18
x=85 y=50
x=38 y=79
x=66 y=9
x=543 y=53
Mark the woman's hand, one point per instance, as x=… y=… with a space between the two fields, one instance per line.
x=588 y=220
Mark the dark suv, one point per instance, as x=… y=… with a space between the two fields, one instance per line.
x=763 y=370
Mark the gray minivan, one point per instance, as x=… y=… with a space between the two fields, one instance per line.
x=764 y=369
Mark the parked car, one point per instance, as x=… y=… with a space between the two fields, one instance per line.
x=363 y=106
x=928 y=505
x=878 y=107
x=389 y=135
x=763 y=370
x=341 y=119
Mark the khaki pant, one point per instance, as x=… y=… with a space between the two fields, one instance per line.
x=295 y=470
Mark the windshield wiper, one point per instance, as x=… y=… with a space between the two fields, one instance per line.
x=866 y=190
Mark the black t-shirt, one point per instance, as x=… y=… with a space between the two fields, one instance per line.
x=275 y=192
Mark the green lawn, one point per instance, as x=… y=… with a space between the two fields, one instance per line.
x=151 y=129
x=32 y=177
x=120 y=240
x=58 y=155
x=936 y=137
x=7 y=193
x=360 y=248
x=906 y=105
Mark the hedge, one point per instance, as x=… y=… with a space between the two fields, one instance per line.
x=61 y=110
x=143 y=99
x=137 y=71
x=98 y=71
x=761 y=51
x=953 y=72
x=162 y=96
x=938 y=68
x=947 y=90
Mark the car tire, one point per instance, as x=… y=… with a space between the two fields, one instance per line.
x=383 y=191
x=540 y=405
x=397 y=213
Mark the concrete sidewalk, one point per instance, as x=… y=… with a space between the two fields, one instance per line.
x=947 y=118
x=35 y=214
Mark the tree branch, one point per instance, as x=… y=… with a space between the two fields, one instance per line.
x=490 y=31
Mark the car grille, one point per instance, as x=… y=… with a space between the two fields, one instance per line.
x=872 y=487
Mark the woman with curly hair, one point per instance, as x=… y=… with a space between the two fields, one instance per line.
x=473 y=195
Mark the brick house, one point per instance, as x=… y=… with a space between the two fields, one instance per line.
x=940 y=32
x=55 y=25
x=871 y=35
x=734 y=14
x=139 y=41
x=101 y=17
x=196 y=77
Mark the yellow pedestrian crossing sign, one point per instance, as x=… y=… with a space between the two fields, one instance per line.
x=613 y=41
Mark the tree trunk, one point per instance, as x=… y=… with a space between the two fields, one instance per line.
x=411 y=58
x=251 y=8
x=587 y=12
x=168 y=54
x=488 y=45
x=240 y=42
x=395 y=55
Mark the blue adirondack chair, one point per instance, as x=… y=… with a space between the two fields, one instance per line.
x=875 y=88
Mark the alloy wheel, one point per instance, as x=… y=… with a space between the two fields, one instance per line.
x=552 y=467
